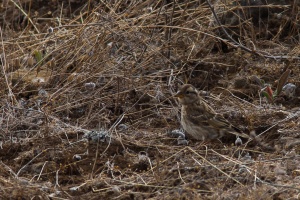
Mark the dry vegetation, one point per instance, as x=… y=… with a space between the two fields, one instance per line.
x=69 y=68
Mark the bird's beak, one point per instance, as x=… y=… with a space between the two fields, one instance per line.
x=179 y=95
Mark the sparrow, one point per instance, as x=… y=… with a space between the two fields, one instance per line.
x=199 y=120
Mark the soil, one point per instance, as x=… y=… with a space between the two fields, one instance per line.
x=87 y=107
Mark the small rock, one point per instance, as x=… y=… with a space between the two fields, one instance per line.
x=90 y=86
x=238 y=141
x=77 y=157
x=289 y=90
x=50 y=29
x=177 y=133
x=122 y=127
x=95 y=136
x=182 y=141
x=43 y=93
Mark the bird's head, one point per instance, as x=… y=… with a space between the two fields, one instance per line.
x=187 y=94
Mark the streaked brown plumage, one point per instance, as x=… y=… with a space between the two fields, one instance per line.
x=199 y=120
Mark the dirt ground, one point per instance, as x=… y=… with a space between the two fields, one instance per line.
x=87 y=107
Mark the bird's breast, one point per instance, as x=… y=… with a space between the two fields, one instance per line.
x=196 y=126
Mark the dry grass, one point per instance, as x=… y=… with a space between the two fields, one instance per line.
x=112 y=66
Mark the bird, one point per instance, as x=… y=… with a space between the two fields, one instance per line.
x=199 y=120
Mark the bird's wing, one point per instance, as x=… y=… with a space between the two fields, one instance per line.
x=200 y=115
x=220 y=123
x=198 y=119
x=204 y=115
